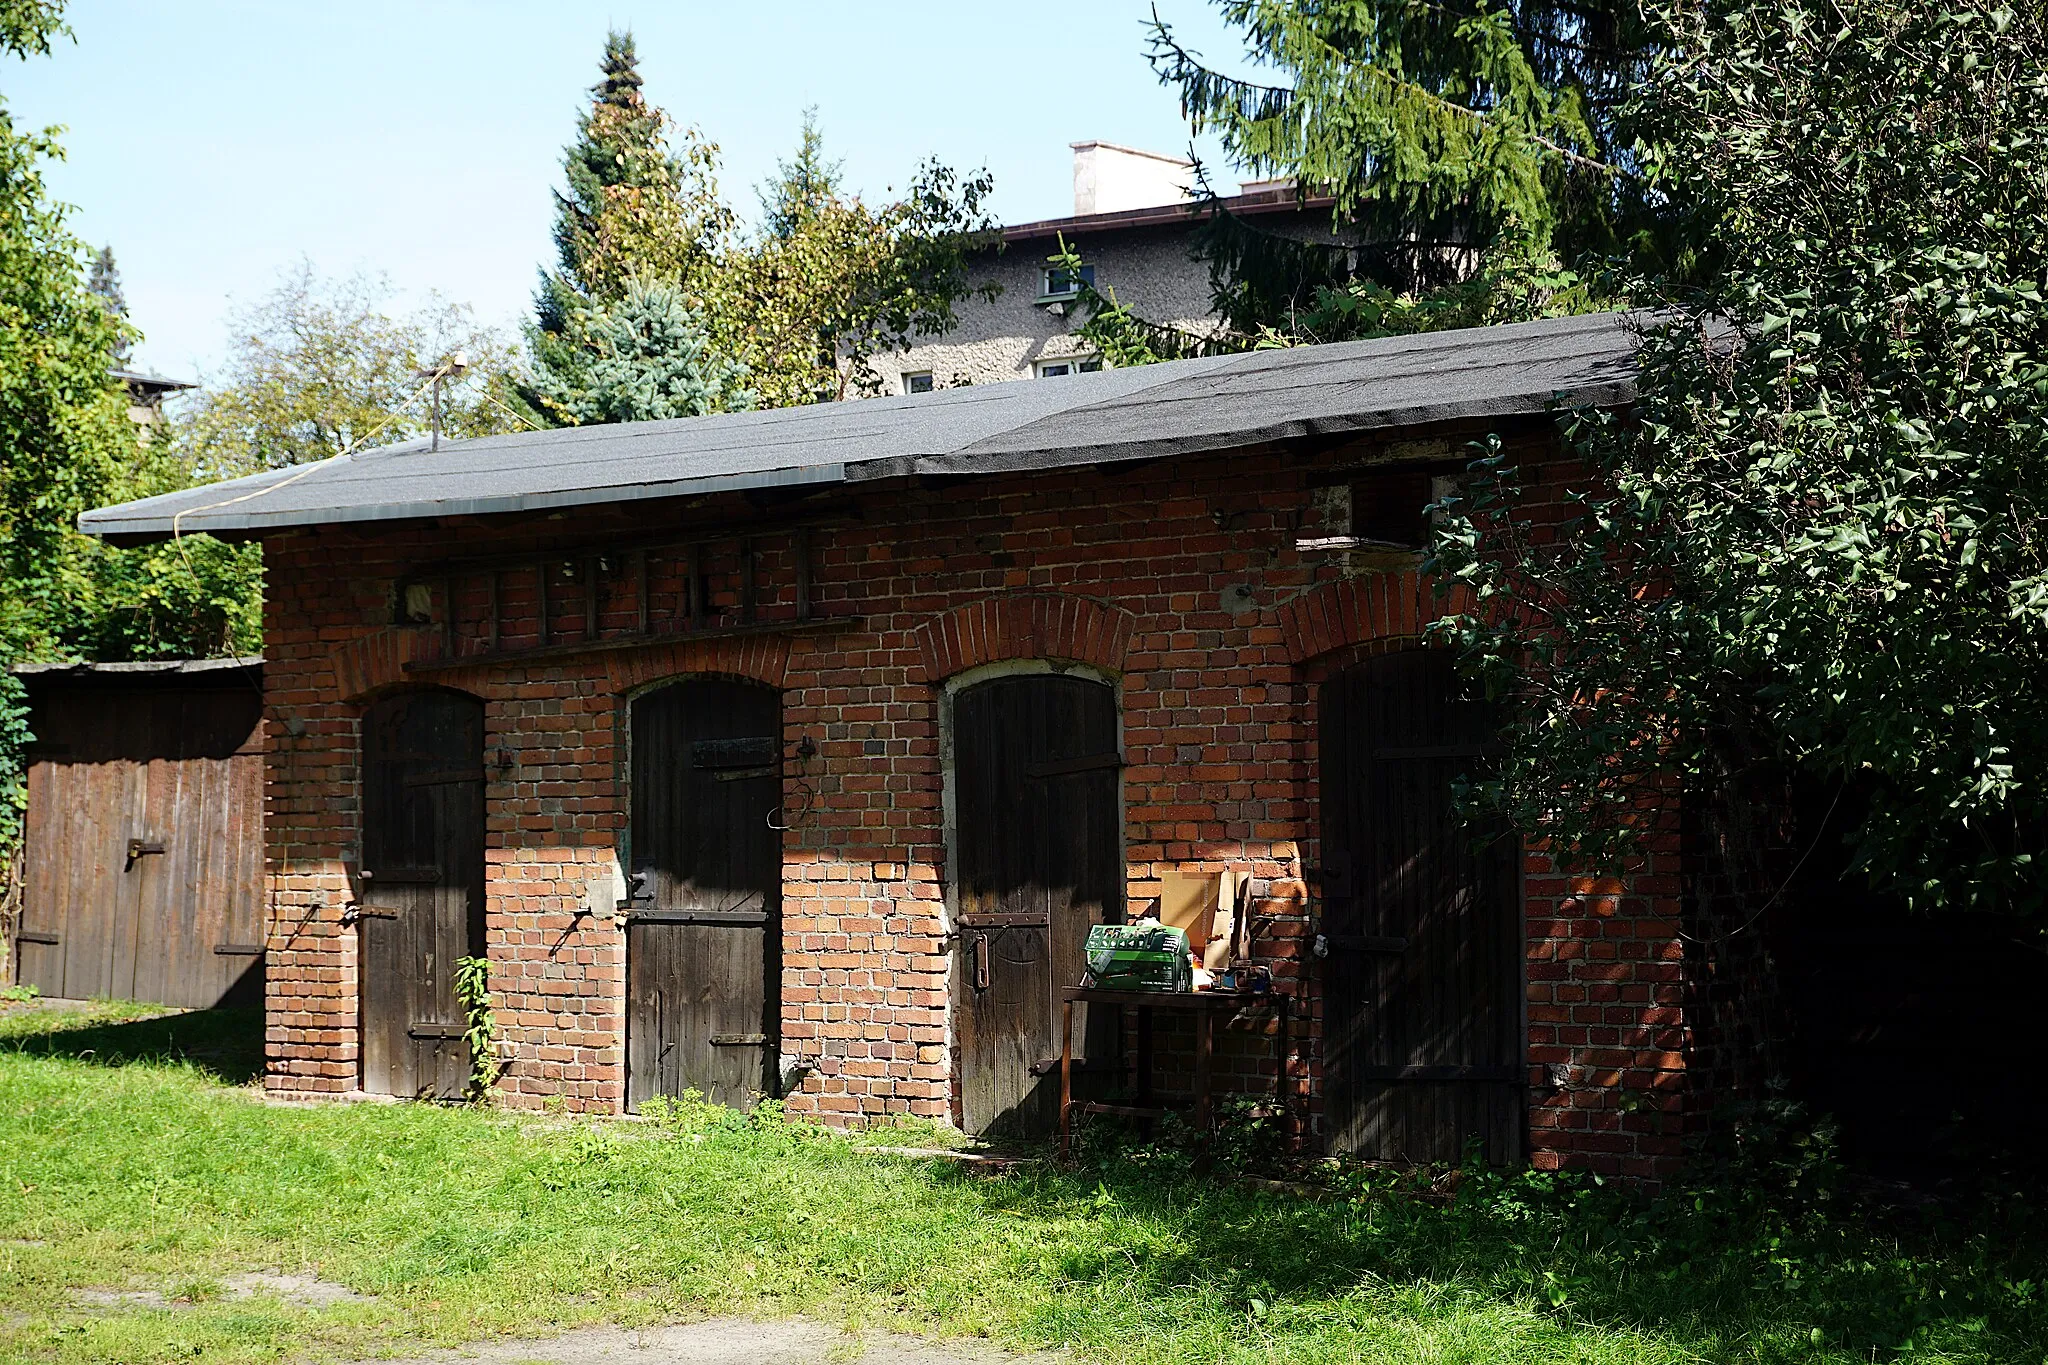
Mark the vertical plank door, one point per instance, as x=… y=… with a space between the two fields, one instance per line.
x=1038 y=843
x=143 y=851
x=423 y=888
x=703 y=931
x=1423 y=985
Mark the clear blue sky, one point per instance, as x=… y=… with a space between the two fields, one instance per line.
x=214 y=144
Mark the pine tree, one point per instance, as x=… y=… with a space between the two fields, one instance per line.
x=797 y=309
x=803 y=187
x=1443 y=131
x=632 y=205
x=632 y=208
x=105 y=285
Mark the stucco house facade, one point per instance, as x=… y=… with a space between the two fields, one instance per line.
x=791 y=752
x=1133 y=224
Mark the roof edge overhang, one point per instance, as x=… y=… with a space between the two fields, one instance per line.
x=968 y=463
x=242 y=670
x=1188 y=212
x=254 y=524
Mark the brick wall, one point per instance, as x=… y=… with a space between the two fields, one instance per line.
x=1180 y=580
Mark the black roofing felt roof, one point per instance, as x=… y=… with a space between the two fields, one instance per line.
x=1178 y=408
x=143 y=673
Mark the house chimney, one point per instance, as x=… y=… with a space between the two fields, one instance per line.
x=1109 y=178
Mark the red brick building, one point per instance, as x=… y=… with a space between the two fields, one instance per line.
x=794 y=751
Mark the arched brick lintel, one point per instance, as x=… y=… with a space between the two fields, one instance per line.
x=378 y=661
x=758 y=658
x=1356 y=611
x=1024 y=626
x=372 y=663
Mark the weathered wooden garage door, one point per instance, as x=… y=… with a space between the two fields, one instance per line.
x=423 y=888
x=1423 y=1046
x=1039 y=843
x=143 y=855
x=704 y=930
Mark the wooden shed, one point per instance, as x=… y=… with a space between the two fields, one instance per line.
x=142 y=874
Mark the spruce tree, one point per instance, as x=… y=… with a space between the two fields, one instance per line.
x=631 y=208
x=804 y=186
x=1452 y=136
x=105 y=284
x=644 y=358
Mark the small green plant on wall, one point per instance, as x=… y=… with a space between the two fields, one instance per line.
x=473 y=991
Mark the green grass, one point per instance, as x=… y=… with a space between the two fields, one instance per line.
x=135 y=1155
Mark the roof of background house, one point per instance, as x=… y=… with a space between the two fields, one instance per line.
x=155 y=383
x=1272 y=198
x=1178 y=408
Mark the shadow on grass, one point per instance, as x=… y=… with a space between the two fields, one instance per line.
x=227 y=1045
x=1729 y=1278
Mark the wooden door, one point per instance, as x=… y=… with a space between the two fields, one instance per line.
x=1038 y=843
x=423 y=888
x=143 y=849
x=1423 y=1047
x=704 y=930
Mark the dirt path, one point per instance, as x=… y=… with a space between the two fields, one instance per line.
x=732 y=1341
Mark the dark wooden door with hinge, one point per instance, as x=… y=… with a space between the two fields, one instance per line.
x=1038 y=843
x=422 y=888
x=143 y=847
x=1423 y=1047
x=703 y=927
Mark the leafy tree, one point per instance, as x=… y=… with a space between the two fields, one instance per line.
x=27 y=26
x=1819 y=544
x=1465 y=144
x=801 y=306
x=321 y=365
x=105 y=285
x=832 y=282
x=642 y=359
x=65 y=437
x=66 y=443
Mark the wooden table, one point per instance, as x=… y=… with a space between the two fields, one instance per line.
x=1205 y=1006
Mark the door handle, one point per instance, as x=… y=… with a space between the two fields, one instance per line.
x=981 y=962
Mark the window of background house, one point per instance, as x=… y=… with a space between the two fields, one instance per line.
x=919 y=382
x=1057 y=283
x=1387 y=506
x=1053 y=369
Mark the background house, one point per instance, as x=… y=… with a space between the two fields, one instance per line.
x=1134 y=223
x=146 y=394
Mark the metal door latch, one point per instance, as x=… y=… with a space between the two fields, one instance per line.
x=138 y=848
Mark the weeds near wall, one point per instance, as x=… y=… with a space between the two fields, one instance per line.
x=473 y=991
